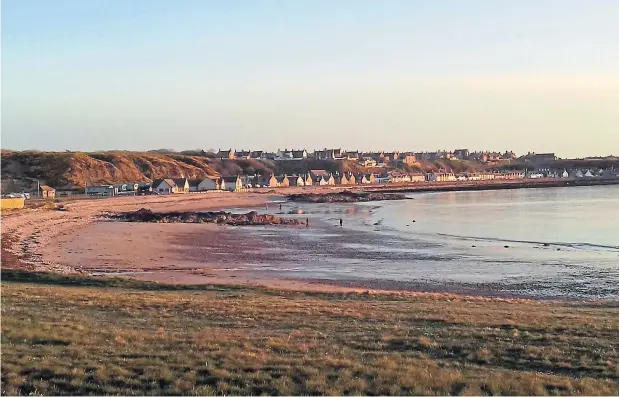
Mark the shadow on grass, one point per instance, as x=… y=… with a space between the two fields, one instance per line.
x=73 y=280
x=46 y=278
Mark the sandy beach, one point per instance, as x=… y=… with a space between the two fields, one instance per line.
x=81 y=240
x=34 y=232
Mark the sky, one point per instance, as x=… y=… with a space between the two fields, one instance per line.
x=526 y=75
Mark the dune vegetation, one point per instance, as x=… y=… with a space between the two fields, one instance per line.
x=78 y=335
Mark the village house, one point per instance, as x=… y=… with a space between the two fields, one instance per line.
x=207 y=184
x=308 y=180
x=125 y=188
x=291 y=154
x=242 y=154
x=365 y=179
x=282 y=181
x=296 y=180
x=509 y=155
x=577 y=173
x=101 y=190
x=367 y=162
x=441 y=177
x=299 y=154
x=347 y=179
x=256 y=154
x=539 y=158
x=277 y=181
x=485 y=176
x=171 y=185
x=328 y=154
x=67 y=191
x=144 y=188
x=399 y=177
x=509 y=175
x=461 y=154
x=417 y=177
x=193 y=185
x=270 y=181
x=351 y=155
x=225 y=154
x=408 y=158
x=48 y=192
x=535 y=175
x=384 y=179
x=323 y=180
x=389 y=157
x=230 y=183
x=284 y=154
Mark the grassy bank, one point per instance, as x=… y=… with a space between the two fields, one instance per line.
x=71 y=335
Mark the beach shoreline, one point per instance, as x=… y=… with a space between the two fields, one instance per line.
x=79 y=240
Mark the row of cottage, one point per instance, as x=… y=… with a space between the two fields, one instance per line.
x=239 y=183
x=323 y=178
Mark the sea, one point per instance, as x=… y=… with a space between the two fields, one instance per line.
x=549 y=243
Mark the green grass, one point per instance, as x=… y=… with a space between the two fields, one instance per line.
x=76 y=335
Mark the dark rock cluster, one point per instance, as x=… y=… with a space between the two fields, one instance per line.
x=219 y=217
x=344 y=197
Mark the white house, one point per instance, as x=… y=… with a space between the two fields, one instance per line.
x=441 y=177
x=321 y=180
x=170 y=186
x=298 y=181
x=366 y=179
x=565 y=174
x=207 y=184
x=230 y=183
x=588 y=174
x=577 y=174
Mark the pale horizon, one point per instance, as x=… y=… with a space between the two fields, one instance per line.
x=539 y=76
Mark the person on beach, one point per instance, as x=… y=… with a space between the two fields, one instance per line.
x=341 y=222
x=280 y=207
x=306 y=222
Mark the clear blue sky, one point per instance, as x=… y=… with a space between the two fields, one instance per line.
x=540 y=75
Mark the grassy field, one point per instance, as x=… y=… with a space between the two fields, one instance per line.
x=68 y=335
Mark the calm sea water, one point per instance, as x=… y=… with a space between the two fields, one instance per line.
x=549 y=242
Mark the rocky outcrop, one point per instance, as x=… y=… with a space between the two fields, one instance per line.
x=344 y=197
x=219 y=217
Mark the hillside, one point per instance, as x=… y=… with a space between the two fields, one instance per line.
x=22 y=169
